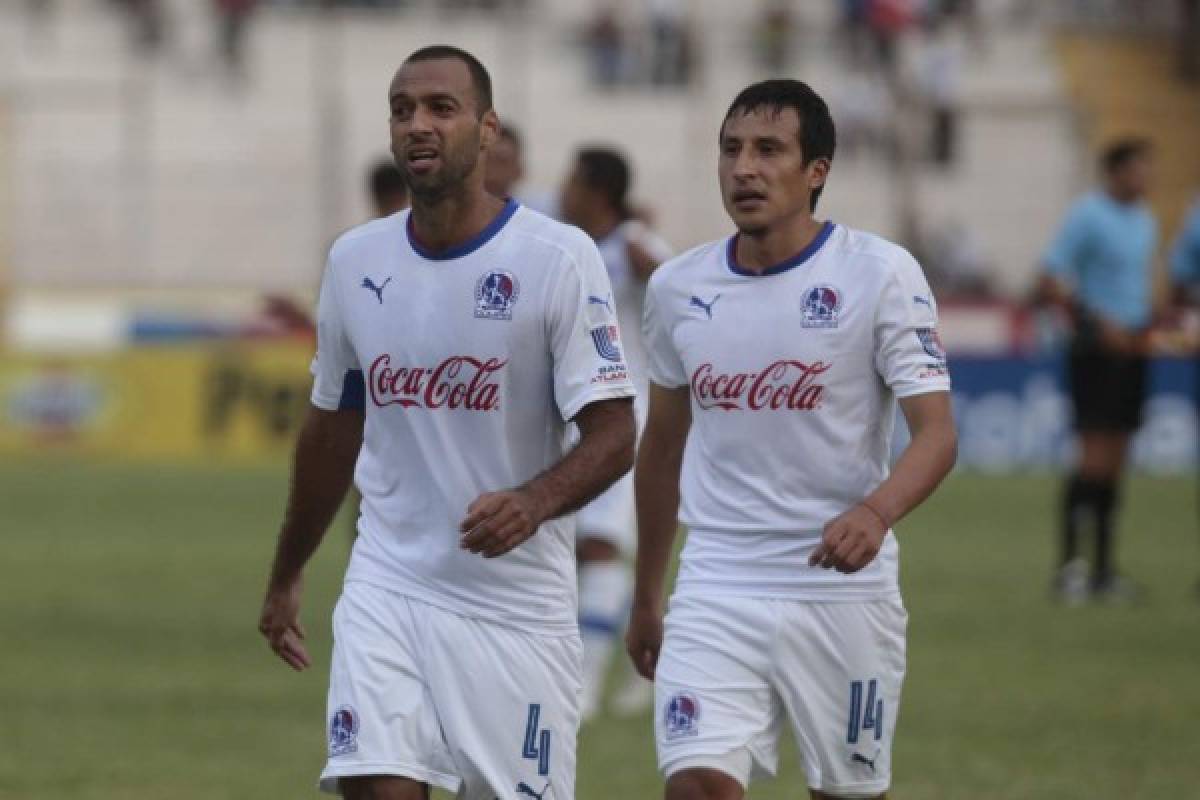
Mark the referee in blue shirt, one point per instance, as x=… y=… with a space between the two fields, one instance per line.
x=1098 y=269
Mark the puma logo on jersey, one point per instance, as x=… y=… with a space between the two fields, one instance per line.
x=859 y=758
x=593 y=300
x=378 y=290
x=524 y=788
x=919 y=300
x=706 y=307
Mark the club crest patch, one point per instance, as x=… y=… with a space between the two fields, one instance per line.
x=681 y=715
x=821 y=307
x=496 y=293
x=607 y=341
x=343 y=732
x=932 y=343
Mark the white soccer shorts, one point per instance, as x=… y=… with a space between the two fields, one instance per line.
x=732 y=668
x=466 y=705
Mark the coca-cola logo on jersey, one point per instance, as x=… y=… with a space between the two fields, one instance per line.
x=457 y=382
x=784 y=384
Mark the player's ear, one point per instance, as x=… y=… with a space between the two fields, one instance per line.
x=817 y=171
x=489 y=129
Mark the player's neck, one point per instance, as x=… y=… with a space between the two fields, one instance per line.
x=449 y=220
x=760 y=250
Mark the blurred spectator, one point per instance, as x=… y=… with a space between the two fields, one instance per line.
x=1098 y=271
x=865 y=114
x=232 y=18
x=887 y=20
x=606 y=47
x=670 y=45
x=939 y=81
x=147 y=23
x=775 y=34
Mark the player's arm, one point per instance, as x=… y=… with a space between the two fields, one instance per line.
x=852 y=540
x=656 y=480
x=497 y=522
x=322 y=470
x=646 y=251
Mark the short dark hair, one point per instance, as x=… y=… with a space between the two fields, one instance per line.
x=1122 y=151
x=481 y=81
x=385 y=180
x=606 y=171
x=818 y=137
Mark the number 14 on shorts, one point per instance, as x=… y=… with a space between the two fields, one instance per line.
x=866 y=716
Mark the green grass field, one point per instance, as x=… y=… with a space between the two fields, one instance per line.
x=131 y=666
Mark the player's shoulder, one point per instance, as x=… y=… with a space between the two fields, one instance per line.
x=871 y=250
x=684 y=268
x=363 y=237
x=539 y=231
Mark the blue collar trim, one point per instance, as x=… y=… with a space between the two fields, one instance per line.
x=471 y=245
x=783 y=266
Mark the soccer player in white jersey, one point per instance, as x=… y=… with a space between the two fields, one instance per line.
x=465 y=330
x=776 y=359
x=595 y=197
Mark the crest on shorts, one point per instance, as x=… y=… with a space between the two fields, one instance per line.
x=821 y=307
x=343 y=732
x=496 y=293
x=681 y=715
x=932 y=343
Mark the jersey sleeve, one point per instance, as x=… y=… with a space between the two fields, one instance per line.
x=909 y=355
x=663 y=364
x=337 y=377
x=585 y=339
x=1062 y=257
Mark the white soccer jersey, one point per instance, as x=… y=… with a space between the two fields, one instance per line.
x=793 y=376
x=611 y=515
x=473 y=361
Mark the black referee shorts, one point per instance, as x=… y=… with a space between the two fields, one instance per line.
x=1108 y=390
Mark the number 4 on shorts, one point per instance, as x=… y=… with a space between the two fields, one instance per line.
x=537 y=743
x=868 y=719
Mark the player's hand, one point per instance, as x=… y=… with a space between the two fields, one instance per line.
x=850 y=542
x=280 y=624
x=1121 y=341
x=499 y=521
x=643 y=638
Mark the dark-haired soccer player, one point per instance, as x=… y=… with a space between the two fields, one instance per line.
x=1098 y=270
x=455 y=343
x=776 y=359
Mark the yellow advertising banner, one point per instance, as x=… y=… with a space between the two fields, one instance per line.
x=240 y=401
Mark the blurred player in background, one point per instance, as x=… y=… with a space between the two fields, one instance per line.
x=595 y=197
x=506 y=171
x=455 y=343
x=1098 y=272
x=776 y=359
x=388 y=192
